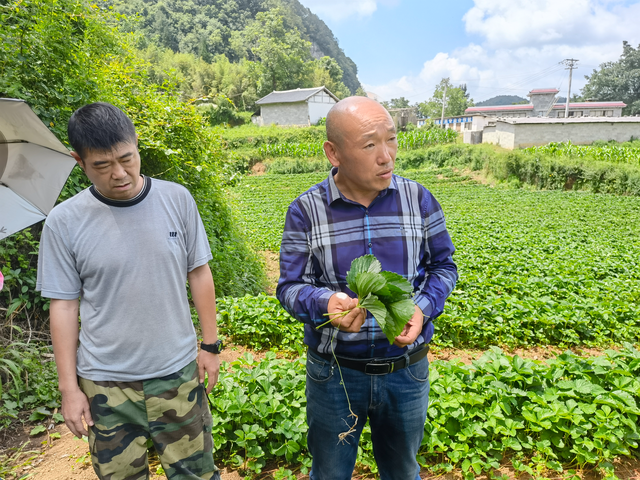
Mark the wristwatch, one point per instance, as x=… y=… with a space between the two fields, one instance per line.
x=212 y=347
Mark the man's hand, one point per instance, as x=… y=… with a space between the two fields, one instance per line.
x=352 y=321
x=210 y=363
x=411 y=330
x=75 y=406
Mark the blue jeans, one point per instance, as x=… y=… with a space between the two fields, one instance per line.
x=395 y=404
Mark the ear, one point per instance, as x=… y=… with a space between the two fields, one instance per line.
x=77 y=159
x=331 y=151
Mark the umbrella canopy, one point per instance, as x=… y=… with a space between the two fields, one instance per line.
x=34 y=166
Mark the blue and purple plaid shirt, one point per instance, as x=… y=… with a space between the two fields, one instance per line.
x=404 y=228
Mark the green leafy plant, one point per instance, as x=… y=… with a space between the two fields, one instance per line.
x=259 y=322
x=536 y=267
x=385 y=294
x=565 y=413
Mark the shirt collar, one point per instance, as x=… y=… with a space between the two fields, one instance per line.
x=144 y=191
x=333 y=193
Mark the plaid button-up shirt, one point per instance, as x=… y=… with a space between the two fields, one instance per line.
x=404 y=228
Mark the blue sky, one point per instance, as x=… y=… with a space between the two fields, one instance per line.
x=404 y=47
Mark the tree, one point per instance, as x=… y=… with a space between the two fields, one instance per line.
x=327 y=72
x=457 y=101
x=283 y=55
x=617 y=81
x=399 y=103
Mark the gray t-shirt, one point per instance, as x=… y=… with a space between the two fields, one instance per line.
x=128 y=261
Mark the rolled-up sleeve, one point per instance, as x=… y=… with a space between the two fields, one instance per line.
x=440 y=271
x=297 y=288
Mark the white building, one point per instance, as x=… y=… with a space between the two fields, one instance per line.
x=302 y=106
x=543 y=103
x=542 y=121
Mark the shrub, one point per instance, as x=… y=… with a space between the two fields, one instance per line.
x=75 y=57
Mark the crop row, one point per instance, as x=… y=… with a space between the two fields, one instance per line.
x=536 y=267
x=406 y=141
x=420 y=138
x=603 y=153
x=295 y=150
x=531 y=415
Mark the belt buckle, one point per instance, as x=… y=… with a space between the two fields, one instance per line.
x=372 y=368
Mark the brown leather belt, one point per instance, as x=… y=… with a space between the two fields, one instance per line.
x=380 y=366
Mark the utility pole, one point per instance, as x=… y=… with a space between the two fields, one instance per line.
x=444 y=102
x=571 y=64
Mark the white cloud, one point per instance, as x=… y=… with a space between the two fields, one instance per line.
x=521 y=43
x=342 y=9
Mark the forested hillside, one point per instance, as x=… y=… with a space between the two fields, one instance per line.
x=207 y=28
x=501 y=100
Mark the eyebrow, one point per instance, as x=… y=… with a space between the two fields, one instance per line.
x=104 y=162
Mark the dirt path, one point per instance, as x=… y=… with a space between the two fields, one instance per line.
x=66 y=459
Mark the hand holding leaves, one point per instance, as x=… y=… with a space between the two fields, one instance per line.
x=386 y=295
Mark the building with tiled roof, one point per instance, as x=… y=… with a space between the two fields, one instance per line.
x=543 y=103
x=302 y=106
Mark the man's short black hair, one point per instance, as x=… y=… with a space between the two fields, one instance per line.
x=99 y=127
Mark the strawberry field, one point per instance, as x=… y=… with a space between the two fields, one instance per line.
x=536 y=268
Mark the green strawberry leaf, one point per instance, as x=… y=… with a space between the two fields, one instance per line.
x=397 y=281
x=391 y=294
x=367 y=283
x=401 y=312
x=391 y=305
x=366 y=263
x=376 y=307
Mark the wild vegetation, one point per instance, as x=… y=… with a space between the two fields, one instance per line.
x=70 y=55
x=219 y=27
x=617 y=81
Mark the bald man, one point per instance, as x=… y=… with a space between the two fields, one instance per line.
x=363 y=208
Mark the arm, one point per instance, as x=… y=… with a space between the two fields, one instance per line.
x=297 y=290
x=64 y=336
x=440 y=272
x=204 y=297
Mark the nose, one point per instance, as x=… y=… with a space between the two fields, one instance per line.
x=118 y=171
x=385 y=155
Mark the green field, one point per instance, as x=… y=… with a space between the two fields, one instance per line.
x=536 y=267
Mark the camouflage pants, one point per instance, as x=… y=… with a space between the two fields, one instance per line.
x=172 y=411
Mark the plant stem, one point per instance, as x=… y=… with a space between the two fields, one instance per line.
x=342 y=437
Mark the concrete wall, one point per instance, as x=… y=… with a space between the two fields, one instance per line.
x=480 y=121
x=285 y=113
x=524 y=135
x=318 y=111
x=501 y=134
x=319 y=106
x=528 y=135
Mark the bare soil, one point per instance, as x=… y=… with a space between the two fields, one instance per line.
x=259 y=169
x=272 y=268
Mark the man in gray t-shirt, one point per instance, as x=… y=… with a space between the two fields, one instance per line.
x=119 y=253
